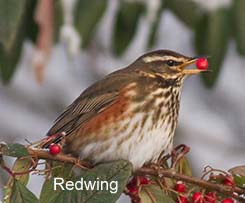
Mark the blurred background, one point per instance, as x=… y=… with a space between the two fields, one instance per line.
x=50 y=51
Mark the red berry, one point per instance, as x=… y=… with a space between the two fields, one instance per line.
x=202 y=63
x=133 y=181
x=197 y=197
x=143 y=180
x=132 y=190
x=228 y=181
x=180 y=186
x=182 y=199
x=132 y=187
x=54 y=149
x=227 y=200
x=210 y=197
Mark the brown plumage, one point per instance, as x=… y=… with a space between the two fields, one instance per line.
x=130 y=114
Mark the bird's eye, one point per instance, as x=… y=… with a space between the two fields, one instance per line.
x=170 y=62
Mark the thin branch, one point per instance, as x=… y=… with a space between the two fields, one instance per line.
x=165 y=172
x=170 y=173
x=205 y=184
x=41 y=154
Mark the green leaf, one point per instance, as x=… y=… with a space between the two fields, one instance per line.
x=7 y=194
x=126 y=23
x=58 y=19
x=211 y=38
x=20 y=194
x=239 y=24
x=184 y=167
x=154 y=27
x=87 y=16
x=14 y=150
x=22 y=165
x=32 y=27
x=239 y=170
x=119 y=171
x=13 y=19
x=187 y=11
x=60 y=169
x=157 y=193
x=238 y=173
x=48 y=194
x=239 y=181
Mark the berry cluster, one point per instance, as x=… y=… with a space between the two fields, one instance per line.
x=135 y=183
x=200 y=197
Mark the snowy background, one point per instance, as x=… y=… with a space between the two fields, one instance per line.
x=211 y=121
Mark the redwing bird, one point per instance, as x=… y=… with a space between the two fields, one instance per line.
x=130 y=114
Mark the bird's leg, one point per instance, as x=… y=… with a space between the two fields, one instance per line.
x=83 y=165
x=162 y=159
x=155 y=166
x=178 y=153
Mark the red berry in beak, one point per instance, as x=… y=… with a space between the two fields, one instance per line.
x=202 y=64
x=54 y=149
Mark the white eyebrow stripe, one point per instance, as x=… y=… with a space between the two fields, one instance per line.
x=149 y=59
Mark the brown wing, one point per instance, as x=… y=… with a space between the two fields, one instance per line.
x=79 y=112
x=92 y=101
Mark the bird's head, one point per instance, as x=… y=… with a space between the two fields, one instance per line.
x=166 y=64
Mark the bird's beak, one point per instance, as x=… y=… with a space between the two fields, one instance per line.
x=190 y=71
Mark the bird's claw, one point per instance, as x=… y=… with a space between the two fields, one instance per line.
x=178 y=153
